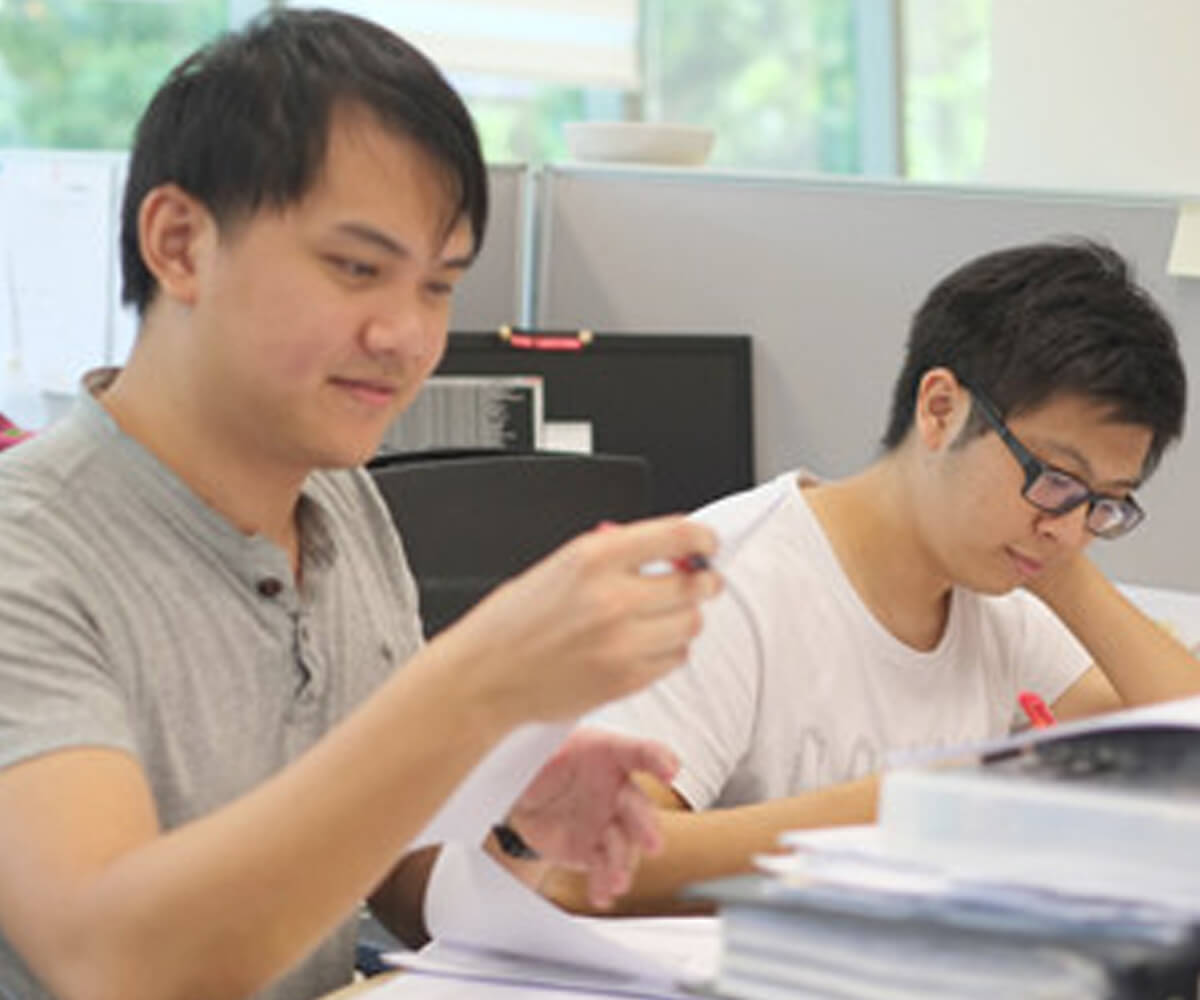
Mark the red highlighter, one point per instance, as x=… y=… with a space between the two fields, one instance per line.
x=1035 y=710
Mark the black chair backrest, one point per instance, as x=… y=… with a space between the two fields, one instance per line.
x=469 y=520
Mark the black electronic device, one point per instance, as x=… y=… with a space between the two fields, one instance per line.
x=471 y=519
x=682 y=401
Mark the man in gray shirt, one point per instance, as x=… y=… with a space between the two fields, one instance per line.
x=207 y=754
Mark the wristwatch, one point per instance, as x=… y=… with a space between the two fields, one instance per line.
x=513 y=844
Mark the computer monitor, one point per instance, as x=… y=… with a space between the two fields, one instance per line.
x=682 y=401
x=470 y=520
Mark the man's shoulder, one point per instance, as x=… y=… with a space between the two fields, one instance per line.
x=349 y=495
x=741 y=518
x=767 y=532
x=38 y=476
x=356 y=514
x=349 y=487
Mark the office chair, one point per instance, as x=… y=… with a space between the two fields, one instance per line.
x=470 y=519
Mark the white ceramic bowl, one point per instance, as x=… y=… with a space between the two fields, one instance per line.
x=639 y=142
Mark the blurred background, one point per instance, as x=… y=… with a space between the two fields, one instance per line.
x=874 y=87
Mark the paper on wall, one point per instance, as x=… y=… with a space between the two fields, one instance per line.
x=1185 y=248
x=58 y=212
x=123 y=320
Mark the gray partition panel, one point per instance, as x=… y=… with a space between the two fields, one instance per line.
x=492 y=292
x=824 y=276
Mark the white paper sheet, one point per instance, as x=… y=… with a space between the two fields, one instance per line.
x=434 y=987
x=574 y=436
x=487 y=924
x=490 y=790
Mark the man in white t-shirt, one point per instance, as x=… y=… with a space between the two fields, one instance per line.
x=907 y=606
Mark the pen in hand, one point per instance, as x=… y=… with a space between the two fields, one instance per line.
x=691 y=563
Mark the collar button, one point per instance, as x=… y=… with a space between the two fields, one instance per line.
x=270 y=587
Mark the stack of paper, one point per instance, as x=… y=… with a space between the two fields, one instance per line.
x=1059 y=863
x=840 y=917
x=1108 y=807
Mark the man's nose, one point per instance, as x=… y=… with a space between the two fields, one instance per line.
x=402 y=331
x=1069 y=529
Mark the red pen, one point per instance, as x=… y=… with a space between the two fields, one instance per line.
x=1035 y=709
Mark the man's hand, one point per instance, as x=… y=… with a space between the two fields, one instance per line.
x=1065 y=582
x=585 y=625
x=583 y=810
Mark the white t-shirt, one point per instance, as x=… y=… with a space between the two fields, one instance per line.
x=794 y=685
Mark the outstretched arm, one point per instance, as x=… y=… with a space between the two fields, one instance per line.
x=715 y=842
x=583 y=811
x=101 y=903
x=1137 y=662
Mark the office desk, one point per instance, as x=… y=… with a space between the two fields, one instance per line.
x=355 y=989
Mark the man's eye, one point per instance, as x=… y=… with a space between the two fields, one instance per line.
x=440 y=288
x=1062 y=483
x=354 y=268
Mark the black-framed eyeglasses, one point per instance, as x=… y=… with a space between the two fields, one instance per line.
x=1056 y=492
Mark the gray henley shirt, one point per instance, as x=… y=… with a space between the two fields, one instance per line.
x=134 y=616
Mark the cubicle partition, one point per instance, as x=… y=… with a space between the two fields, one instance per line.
x=825 y=276
x=494 y=290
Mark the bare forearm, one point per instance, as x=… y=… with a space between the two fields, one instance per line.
x=261 y=881
x=399 y=901
x=1141 y=659
x=717 y=842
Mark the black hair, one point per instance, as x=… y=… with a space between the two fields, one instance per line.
x=244 y=122
x=1028 y=323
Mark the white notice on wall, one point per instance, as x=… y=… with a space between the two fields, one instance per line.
x=1185 y=249
x=58 y=212
x=123 y=319
x=573 y=436
x=9 y=342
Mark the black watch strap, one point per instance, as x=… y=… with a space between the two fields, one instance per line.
x=513 y=844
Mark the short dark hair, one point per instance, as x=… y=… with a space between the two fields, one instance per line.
x=244 y=121
x=1028 y=323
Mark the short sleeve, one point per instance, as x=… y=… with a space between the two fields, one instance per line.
x=1049 y=659
x=706 y=710
x=56 y=690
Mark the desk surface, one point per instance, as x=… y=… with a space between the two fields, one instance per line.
x=354 y=989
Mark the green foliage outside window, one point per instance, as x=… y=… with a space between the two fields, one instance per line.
x=947 y=70
x=75 y=74
x=524 y=125
x=775 y=78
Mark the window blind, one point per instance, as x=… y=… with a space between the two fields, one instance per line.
x=584 y=43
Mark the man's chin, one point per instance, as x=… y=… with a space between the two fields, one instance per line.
x=992 y=584
x=347 y=457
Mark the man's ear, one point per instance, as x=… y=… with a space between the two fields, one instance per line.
x=174 y=232
x=943 y=405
